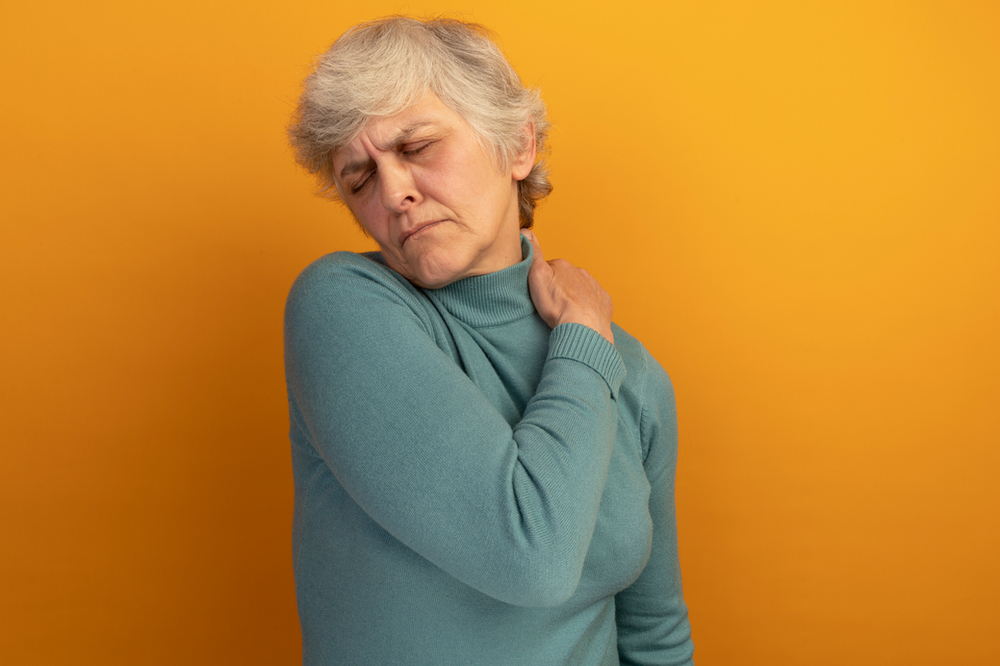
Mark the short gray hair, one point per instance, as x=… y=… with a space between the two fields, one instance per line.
x=384 y=66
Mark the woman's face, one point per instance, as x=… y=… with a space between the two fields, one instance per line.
x=420 y=184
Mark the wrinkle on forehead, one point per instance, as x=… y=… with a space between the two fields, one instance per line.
x=372 y=142
x=401 y=136
x=426 y=112
x=382 y=133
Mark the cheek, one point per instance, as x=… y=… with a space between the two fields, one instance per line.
x=465 y=186
x=368 y=217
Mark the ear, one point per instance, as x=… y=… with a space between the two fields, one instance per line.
x=525 y=160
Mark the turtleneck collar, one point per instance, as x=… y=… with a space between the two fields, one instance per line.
x=492 y=299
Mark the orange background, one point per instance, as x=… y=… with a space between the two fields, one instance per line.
x=795 y=205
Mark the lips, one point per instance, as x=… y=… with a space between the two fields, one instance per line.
x=416 y=229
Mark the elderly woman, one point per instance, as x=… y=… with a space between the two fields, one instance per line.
x=484 y=463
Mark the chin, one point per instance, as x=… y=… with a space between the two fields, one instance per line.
x=434 y=281
x=437 y=276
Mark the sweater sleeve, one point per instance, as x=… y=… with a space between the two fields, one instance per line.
x=508 y=511
x=652 y=617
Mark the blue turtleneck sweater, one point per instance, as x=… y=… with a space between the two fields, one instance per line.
x=472 y=487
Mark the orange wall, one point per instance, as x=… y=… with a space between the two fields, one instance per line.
x=795 y=205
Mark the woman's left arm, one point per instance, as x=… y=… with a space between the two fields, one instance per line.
x=653 y=626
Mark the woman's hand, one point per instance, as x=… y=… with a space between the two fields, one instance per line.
x=563 y=293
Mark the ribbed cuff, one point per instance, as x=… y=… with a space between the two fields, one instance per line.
x=582 y=343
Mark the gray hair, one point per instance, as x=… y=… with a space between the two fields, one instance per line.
x=384 y=66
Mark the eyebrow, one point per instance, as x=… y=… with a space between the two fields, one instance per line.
x=403 y=135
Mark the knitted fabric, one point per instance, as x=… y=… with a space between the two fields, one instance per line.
x=472 y=487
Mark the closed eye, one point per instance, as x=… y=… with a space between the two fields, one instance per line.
x=407 y=150
x=415 y=148
x=364 y=181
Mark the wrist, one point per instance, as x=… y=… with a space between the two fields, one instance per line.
x=595 y=323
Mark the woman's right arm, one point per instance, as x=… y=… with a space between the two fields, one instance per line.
x=509 y=511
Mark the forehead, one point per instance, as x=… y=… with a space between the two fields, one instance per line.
x=383 y=133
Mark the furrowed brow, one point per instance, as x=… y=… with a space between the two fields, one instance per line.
x=402 y=136
x=354 y=167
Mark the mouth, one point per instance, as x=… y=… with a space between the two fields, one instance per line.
x=416 y=230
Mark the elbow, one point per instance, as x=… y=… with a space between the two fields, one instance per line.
x=547 y=567
x=546 y=586
x=551 y=593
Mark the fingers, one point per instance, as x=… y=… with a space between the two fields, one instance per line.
x=540 y=275
x=563 y=293
x=537 y=256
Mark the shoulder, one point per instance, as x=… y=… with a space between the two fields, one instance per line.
x=349 y=293
x=647 y=389
x=339 y=269
x=645 y=374
x=343 y=280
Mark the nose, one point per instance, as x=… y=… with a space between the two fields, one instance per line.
x=399 y=190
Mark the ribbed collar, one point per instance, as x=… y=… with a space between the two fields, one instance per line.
x=492 y=299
